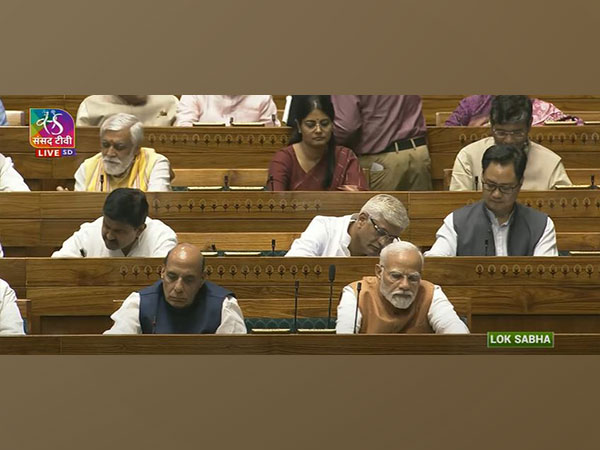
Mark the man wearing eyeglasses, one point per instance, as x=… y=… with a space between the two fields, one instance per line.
x=396 y=299
x=497 y=225
x=380 y=222
x=511 y=118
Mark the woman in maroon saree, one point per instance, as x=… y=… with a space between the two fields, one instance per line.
x=312 y=162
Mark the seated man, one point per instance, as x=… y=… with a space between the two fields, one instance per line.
x=396 y=299
x=124 y=230
x=224 y=108
x=511 y=118
x=181 y=302
x=10 y=317
x=122 y=161
x=379 y=222
x=10 y=179
x=497 y=225
x=152 y=110
x=474 y=111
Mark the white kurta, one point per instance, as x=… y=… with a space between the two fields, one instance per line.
x=155 y=241
x=221 y=108
x=441 y=315
x=324 y=236
x=10 y=317
x=127 y=317
x=544 y=170
x=160 y=177
x=10 y=179
x=447 y=239
x=157 y=111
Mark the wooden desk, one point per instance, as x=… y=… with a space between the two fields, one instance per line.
x=32 y=224
x=407 y=344
x=559 y=294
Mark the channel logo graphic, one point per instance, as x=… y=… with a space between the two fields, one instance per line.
x=51 y=132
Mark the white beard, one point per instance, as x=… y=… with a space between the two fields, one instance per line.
x=118 y=169
x=400 y=302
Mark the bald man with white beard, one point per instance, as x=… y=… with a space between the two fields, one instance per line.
x=397 y=299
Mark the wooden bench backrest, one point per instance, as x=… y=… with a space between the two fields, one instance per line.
x=70 y=298
x=577 y=176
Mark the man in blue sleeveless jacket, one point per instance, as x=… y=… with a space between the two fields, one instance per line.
x=181 y=302
x=497 y=225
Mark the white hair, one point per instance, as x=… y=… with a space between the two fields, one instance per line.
x=388 y=208
x=400 y=247
x=122 y=121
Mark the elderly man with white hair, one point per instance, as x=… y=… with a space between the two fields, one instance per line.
x=122 y=161
x=396 y=299
x=380 y=221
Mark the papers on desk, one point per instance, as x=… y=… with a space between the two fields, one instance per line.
x=209 y=124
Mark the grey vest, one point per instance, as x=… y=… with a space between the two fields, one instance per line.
x=474 y=231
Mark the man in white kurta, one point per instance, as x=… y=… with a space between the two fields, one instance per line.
x=152 y=110
x=544 y=169
x=123 y=230
x=182 y=301
x=10 y=317
x=155 y=241
x=511 y=117
x=397 y=300
x=380 y=221
x=223 y=108
x=10 y=179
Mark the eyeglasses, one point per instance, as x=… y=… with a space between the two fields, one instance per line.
x=503 y=188
x=312 y=124
x=505 y=133
x=413 y=278
x=381 y=232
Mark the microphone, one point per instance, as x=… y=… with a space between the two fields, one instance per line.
x=273 y=247
x=101 y=182
x=82 y=252
x=331 y=280
x=271 y=183
x=274 y=119
x=230 y=120
x=213 y=247
x=486 y=242
x=296 y=286
x=476 y=182
x=593 y=181
x=358 y=288
x=226 y=182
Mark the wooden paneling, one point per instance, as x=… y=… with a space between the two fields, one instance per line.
x=59 y=214
x=61 y=291
x=253 y=148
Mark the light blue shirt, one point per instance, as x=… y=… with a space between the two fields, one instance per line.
x=2 y=115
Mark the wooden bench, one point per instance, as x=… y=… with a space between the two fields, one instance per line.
x=33 y=224
x=253 y=148
x=220 y=177
x=385 y=344
x=70 y=103
x=577 y=176
x=586 y=116
x=431 y=103
x=552 y=294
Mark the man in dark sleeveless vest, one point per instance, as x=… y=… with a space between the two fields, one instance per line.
x=181 y=302
x=497 y=225
x=396 y=299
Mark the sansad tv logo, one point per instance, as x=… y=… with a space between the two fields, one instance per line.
x=51 y=132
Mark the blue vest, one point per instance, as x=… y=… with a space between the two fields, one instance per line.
x=203 y=316
x=473 y=228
